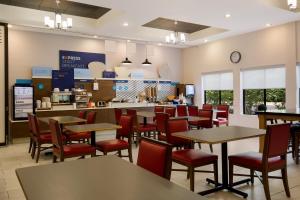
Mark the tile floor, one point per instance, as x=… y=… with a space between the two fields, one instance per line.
x=16 y=156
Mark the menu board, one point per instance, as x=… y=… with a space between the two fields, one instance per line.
x=23 y=101
x=63 y=79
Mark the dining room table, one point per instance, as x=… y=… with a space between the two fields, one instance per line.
x=145 y=115
x=92 y=128
x=63 y=120
x=222 y=135
x=106 y=177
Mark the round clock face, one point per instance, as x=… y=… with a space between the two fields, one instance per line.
x=235 y=57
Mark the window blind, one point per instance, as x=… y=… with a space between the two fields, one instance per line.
x=218 y=81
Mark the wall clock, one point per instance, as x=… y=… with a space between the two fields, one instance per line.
x=235 y=57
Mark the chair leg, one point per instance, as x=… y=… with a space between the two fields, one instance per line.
x=130 y=154
x=62 y=159
x=120 y=153
x=231 y=168
x=252 y=176
x=38 y=153
x=297 y=149
x=33 y=150
x=199 y=145
x=188 y=174
x=285 y=182
x=54 y=159
x=30 y=145
x=192 y=178
x=266 y=185
x=211 y=148
x=216 y=173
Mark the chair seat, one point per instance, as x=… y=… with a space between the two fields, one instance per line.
x=220 y=121
x=162 y=137
x=146 y=128
x=253 y=160
x=192 y=157
x=79 y=136
x=45 y=138
x=77 y=149
x=112 y=145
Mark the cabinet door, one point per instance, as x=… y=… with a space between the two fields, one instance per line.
x=3 y=84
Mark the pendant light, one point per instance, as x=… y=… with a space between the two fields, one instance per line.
x=146 y=62
x=126 y=61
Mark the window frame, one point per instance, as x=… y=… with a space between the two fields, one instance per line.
x=219 y=95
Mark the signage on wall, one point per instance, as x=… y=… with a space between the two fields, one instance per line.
x=75 y=59
x=63 y=79
x=41 y=72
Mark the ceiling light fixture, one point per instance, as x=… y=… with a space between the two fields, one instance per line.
x=58 y=23
x=9 y=26
x=95 y=36
x=146 y=62
x=126 y=61
x=125 y=24
x=205 y=41
x=292 y=4
x=227 y=15
x=176 y=37
x=268 y=25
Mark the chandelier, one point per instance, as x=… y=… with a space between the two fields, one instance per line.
x=175 y=38
x=58 y=22
x=292 y=4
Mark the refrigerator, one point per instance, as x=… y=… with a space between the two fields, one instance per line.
x=22 y=101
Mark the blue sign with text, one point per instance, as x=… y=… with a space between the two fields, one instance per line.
x=75 y=59
x=63 y=79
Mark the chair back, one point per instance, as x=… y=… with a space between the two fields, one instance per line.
x=207 y=114
x=133 y=114
x=223 y=114
x=171 y=111
x=159 y=109
x=207 y=107
x=276 y=141
x=181 y=111
x=29 y=123
x=56 y=135
x=34 y=125
x=82 y=114
x=118 y=114
x=161 y=121
x=91 y=117
x=193 y=110
x=176 y=125
x=160 y=154
x=126 y=122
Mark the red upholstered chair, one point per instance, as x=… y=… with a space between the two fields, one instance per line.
x=178 y=125
x=161 y=125
x=140 y=128
x=181 y=111
x=83 y=136
x=82 y=114
x=159 y=109
x=41 y=140
x=273 y=157
x=118 y=114
x=119 y=144
x=207 y=107
x=160 y=154
x=171 y=111
x=204 y=123
x=222 y=117
x=61 y=150
x=193 y=110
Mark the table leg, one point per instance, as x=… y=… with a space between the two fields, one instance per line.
x=145 y=120
x=93 y=138
x=224 y=185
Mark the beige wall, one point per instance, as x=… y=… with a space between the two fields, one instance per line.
x=28 y=49
x=272 y=46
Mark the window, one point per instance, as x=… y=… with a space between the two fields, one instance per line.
x=263 y=89
x=218 y=89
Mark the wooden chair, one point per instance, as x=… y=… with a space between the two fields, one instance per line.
x=159 y=109
x=82 y=114
x=207 y=107
x=31 y=136
x=83 y=136
x=272 y=159
x=181 y=111
x=171 y=111
x=41 y=140
x=193 y=110
x=295 y=141
x=161 y=125
x=61 y=150
x=119 y=144
x=178 y=125
x=160 y=154
x=118 y=114
x=222 y=117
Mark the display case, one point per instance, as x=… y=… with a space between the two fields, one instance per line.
x=82 y=98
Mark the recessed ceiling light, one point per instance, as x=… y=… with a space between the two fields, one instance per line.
x=268 y=24
x=227 y=15
x=125 y=24
x=128 y=40
x=95 y=36
x=205 y=40
x=9 y=26
x=159 y=44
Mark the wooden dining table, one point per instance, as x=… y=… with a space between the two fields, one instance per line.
x=63 y=120
x=222 y=135
x=93 y=128
x=107 y=177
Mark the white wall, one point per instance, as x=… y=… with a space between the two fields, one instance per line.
x=28 y=49
x=272 y=46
